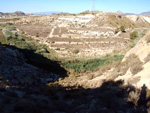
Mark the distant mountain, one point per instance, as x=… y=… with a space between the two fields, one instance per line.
x=145 y=13
x=130 y=14
x=119 y=13
x=18 y=13
x=15 y=14
x=90 y=12
x=47 y=13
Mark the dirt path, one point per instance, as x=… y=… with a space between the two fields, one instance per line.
x=51 y=33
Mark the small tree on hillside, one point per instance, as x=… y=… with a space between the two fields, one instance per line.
x=122 y=28
x=133 y=35
x=119 y=16
x=76 y=51
x=37 y=34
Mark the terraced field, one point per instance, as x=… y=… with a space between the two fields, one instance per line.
x=34 y=30
x=91 y=35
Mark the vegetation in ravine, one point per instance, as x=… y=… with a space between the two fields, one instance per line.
x=91 y=64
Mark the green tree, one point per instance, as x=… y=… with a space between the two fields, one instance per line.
x=122 y=28
x=76 y=51
x=133 y=35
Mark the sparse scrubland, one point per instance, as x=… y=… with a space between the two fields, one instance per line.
x=74 y=69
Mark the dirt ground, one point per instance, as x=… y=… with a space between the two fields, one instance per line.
x=35 y=30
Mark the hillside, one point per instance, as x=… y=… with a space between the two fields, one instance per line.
x=84 y=63
x=138 y=73
x=10 y=15
x=90 y=35
x=16 y=72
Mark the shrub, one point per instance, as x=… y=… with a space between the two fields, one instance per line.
x=122 y=28
x=83 y=25
x=57 y=48
x=11 y=28
x=76 y=51
x=133 y=35
x=133 y=43
x=37 y=34
x=119 y=16
x=8 y=35
x=3 y=25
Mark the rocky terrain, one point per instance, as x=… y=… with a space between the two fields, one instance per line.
x=84 y=63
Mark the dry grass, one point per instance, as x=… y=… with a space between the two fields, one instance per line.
x=134 y=80
x=132 y=62
x=1 y=34
x=136 y=68
x=134 y=97
x=147 y=59
x=148 y=40
x=2 y=39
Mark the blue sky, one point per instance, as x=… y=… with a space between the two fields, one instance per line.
x=74 y=6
